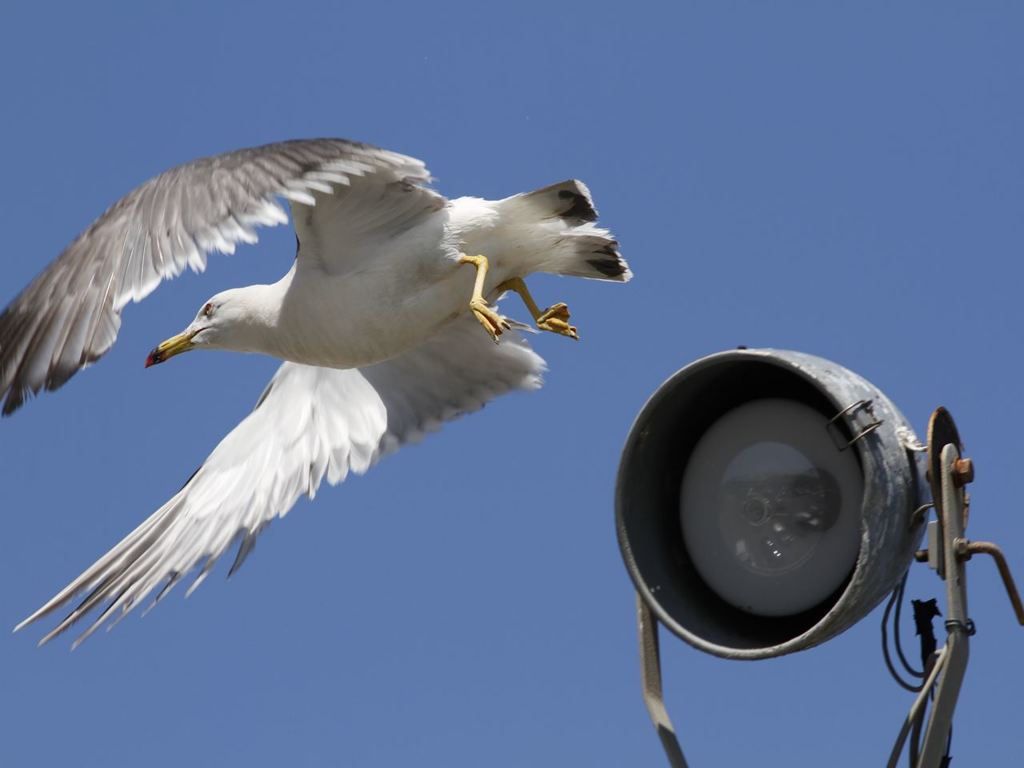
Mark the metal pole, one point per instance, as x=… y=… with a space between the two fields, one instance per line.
x=958 y=625
x=916 y=709
x=650 y=673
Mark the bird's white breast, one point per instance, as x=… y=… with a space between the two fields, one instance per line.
x=394 y=301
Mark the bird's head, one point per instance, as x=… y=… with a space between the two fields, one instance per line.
x=223 y=322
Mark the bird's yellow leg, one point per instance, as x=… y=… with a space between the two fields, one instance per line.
x=492 y=322
x=555 y=318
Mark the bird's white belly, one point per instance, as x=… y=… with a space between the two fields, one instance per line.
x=392 y=303
x=367 y=317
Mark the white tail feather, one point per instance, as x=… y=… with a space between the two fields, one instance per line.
x=576 y=245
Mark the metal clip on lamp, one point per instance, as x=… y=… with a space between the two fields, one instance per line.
x=768 y=500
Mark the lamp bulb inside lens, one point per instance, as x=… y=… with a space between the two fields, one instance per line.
x=770 y=508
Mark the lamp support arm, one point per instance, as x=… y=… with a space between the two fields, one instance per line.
x=958 y=625
x=650 y=673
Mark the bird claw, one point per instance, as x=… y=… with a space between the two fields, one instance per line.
x=493 y=323
x=556 y=319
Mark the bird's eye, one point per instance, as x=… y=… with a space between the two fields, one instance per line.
x=208 y=309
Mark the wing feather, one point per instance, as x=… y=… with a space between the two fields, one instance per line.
x=69 y=315
x=310 y=424
x=340 y=231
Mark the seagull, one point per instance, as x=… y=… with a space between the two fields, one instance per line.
x=386 y=323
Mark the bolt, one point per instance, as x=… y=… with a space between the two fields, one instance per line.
x=961 y=547
x=963 y=472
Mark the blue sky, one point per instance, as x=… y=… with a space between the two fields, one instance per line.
x=799 y=175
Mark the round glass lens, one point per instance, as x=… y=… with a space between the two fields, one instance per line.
x=770 y=508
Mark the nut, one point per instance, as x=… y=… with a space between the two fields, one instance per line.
x=963 y=472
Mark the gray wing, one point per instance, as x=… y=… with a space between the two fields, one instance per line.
x=70 y=314
x=349 y=225
x=310 y=424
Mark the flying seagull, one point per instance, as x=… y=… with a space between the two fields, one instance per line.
x=385 y=322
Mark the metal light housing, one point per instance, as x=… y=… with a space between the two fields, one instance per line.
x=745 y=397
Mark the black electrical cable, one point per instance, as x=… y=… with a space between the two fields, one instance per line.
x=924 y=612
x=895 y=599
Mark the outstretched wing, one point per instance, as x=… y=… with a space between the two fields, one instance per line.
x=350 y=225
x=70 y=314
x=310 y=423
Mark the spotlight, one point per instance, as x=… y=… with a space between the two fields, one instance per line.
x=767 y=500
x=764 y=501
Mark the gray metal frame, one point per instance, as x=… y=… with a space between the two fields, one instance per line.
x=893 y=463
x=950 y=663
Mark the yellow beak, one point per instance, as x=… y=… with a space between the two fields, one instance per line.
x=173 y=346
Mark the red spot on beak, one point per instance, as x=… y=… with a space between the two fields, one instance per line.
x=153 y=358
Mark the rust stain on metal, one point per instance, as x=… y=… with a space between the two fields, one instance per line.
x=963 y=472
